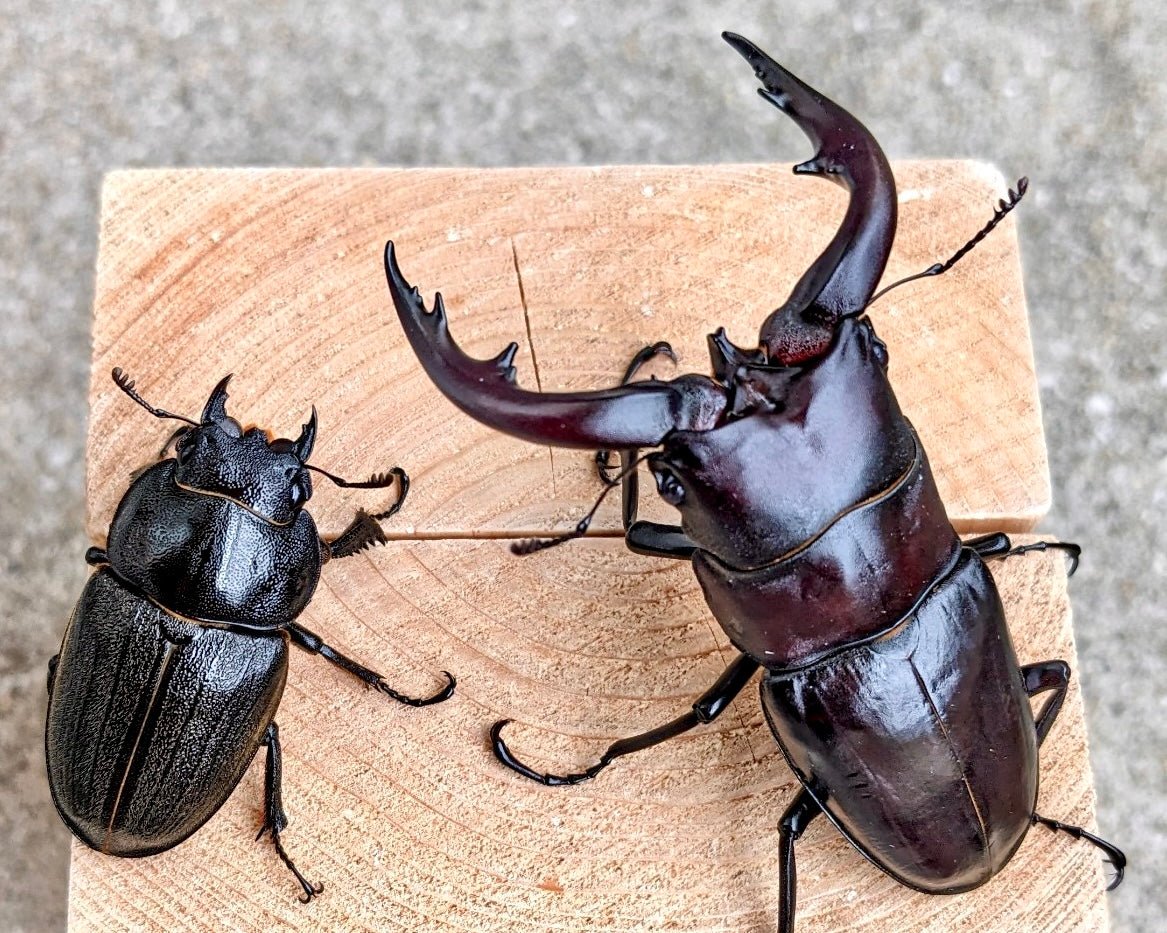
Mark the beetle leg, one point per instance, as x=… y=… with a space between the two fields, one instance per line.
x=363 y=532
x=1055 y=676
x=658 y=540
x=989 y=546
x=1042 y=676
x=275 y=820
x=649 y=538
x=1073 y=551
x=707 y=708
x=629 y=488
x=178 y=432
x=794 y=822
x=998 y=545
x=1115 y=855
x=603 y=467
x=314 y=644
x=95 y=557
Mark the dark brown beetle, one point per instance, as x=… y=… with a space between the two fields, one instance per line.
x=814 y=526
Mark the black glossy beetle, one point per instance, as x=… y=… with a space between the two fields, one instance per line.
x=813 y=523
x=173 y=664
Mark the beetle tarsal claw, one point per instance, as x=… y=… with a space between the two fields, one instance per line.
x=503 y=753
x=310 y=890
x=440 y=697
x=1113 y=854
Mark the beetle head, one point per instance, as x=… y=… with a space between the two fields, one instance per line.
x=784 y=436
x=797 y=446
x=836 y=287
x=218 y=456
x=810 y=425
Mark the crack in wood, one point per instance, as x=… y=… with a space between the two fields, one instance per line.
x=531 y=346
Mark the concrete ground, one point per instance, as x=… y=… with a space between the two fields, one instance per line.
x=1069 y=92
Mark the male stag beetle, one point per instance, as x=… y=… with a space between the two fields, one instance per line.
x=811 y=518
x=173 y=664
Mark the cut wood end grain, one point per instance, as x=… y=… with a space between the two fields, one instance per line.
x=404 y=814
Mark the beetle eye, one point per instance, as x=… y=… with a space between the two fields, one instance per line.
x=670 y=488
x=298 y=494
x=185 y=448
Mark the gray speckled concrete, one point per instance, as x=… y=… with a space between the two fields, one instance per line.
x=1069 y=92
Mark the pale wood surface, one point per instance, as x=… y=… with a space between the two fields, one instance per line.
x=276 y=276
x=404 y=814
x=411 y=824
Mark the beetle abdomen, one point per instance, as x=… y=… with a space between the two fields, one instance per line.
x=929 y=781
x=148 y=733
x=208 y=557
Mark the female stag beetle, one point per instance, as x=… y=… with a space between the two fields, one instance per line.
x=172 y=667
x=811 y=518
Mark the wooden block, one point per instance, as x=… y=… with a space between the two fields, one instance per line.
x=411 y=824
x=404 y=814
x=276 y=275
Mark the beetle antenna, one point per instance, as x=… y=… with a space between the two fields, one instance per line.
x=376 y=481
x=126 y=384
x=532 y=545
x=1003 y=208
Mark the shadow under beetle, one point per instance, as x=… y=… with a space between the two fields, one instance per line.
x=811 y=518
x=173 y=664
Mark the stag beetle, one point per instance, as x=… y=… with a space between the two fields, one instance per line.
x=812 y=520
x=172 y=666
